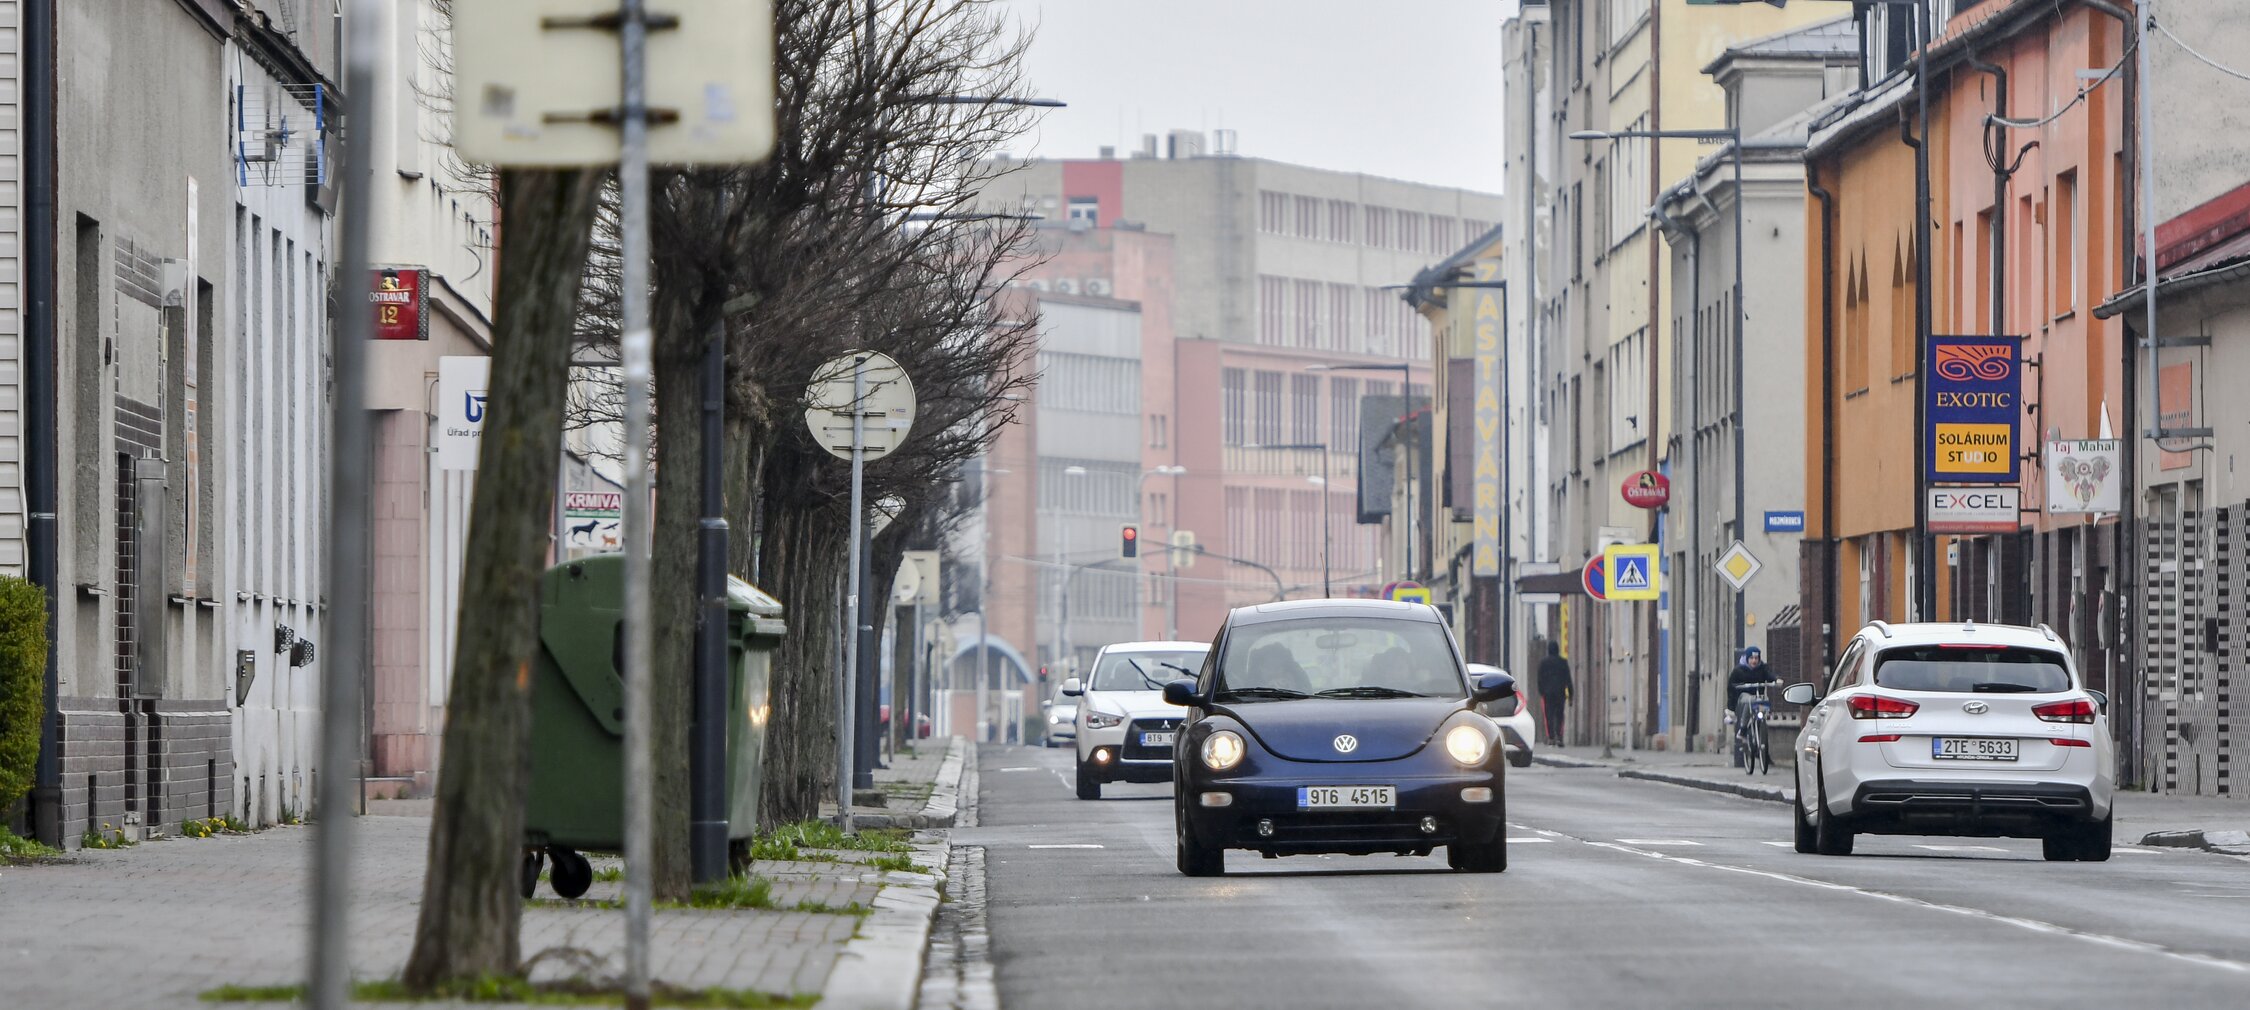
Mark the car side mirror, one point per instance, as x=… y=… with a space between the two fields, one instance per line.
x=1072 y=688
x=1489 y=687
x=1182 y=693
x=2101 y=701
x=1799 y=694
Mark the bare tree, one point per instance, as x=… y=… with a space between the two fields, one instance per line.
x=852 y=235
x=471 y=913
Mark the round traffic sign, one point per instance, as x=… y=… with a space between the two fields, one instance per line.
x=867 y=383
x=1592 y=578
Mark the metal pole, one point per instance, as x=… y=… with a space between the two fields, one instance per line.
x=846 y=712
x=348 y=545
x=638 y=518
x=1326 y=589
x=2144 y=14
x=1925 y=577
x=707 y=737
x=1741 y=529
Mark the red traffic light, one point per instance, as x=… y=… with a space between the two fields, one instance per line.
x=1129 y=541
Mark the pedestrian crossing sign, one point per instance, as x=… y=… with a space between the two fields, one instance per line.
x=1632 y=571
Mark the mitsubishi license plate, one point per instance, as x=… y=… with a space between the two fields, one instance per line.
x=1347 y=797
x=1157 y=739
x=1972 y=748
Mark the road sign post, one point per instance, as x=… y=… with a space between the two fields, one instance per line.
x=845 y=394
x=542 y=83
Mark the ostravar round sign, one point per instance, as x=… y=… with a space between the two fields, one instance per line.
x=1647 y=489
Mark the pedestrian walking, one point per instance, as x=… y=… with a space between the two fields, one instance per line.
x=1554 y=690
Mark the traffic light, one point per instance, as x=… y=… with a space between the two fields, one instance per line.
x=1128 y=541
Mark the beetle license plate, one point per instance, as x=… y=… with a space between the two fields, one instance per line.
x=1971 y=748
x=1156 y=739
x=1347 y=797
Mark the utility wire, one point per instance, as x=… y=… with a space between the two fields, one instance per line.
x=2190 y=50
x=2033 y=124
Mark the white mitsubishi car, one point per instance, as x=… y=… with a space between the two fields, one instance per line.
x=1125 y=727
x=1955 y=729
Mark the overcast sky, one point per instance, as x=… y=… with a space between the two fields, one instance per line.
x=1403 y=88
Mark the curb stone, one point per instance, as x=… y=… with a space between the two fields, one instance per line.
x=881 y=967
x=2233 y=843
x=1774 y=794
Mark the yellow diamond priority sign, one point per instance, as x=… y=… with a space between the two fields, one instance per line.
x=1737 y=566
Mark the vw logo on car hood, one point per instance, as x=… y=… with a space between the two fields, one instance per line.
x=1975 y=707
x=1346 y=743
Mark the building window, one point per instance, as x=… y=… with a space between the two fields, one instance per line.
x=1304 y=303
x=2065 y=215
x=1304 y=408
x=1306 y=221
x=1855 y=325
x=1903 y=320
x=1233 y=393
x=1085 y=208
x=1341 y=214
x=1266 y=423
x=1343 y=415
x=1378 y=227
x=1156 y=431
x=1238 y=520
x=1273 y=298
x=1273 y=212
x=1628 y=185
x=1089 y=383
x=1105 y=489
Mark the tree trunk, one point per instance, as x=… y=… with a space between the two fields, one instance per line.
x=745 y=458
x=471 y=911
x=673 y=600
x=803 y=558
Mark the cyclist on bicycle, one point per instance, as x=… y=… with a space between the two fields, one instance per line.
x=1749 y=674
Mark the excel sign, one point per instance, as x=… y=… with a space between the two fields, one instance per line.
x=1975 y=409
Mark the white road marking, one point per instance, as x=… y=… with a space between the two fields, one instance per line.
x=1529 y=841
x=2033 y=925
x=1961 y=848
x=1778 y=845
x=1079 y=845
x=1658 y=841
x=1025 y=768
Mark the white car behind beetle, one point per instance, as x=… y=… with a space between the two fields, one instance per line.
x=1955 y=729
x=1125 y=727
x=1517 y=729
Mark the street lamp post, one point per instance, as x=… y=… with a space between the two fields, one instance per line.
x=1405 y=372
x=1326 y=589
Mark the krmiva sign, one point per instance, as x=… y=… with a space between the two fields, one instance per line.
x=1974 y=411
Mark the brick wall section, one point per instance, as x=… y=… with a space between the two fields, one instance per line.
x=92 y=749
x=195 y=750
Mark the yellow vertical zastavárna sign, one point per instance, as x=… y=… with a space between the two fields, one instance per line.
x=1631 y=571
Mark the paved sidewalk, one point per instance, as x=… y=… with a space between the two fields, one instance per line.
x=157 y=924
x=2192 y=821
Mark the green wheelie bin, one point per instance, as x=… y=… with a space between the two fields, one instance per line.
x=577 y=800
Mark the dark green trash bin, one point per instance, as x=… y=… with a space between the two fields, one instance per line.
x=578 y=716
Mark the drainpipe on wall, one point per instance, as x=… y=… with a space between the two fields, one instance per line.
x=38 y=111
x=1829 y=545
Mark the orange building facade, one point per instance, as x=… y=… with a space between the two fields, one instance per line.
x=2028 y=232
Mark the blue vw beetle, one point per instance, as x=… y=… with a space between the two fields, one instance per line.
x=1338 y=726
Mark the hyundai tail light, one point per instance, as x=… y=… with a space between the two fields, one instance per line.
x=1876 y=706
x=2076 y=710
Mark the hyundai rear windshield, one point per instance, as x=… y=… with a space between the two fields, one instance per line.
x=1961 y=669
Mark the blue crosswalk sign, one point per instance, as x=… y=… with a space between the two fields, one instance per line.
x=1632 y=571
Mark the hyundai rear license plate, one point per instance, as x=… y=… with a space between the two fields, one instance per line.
x=1156 y=739
x=1971 y=748
x=1347 y=797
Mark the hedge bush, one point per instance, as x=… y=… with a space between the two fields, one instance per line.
x=23 y=674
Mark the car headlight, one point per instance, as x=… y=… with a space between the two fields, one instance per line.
x=1054 y=720
x=1467 y=745
x=1222 y=750
x=1103 y=720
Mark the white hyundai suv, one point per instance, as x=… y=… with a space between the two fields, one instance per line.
x=1955 y=729
x=1125 y=727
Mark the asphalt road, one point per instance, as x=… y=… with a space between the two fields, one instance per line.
x=1618 y=894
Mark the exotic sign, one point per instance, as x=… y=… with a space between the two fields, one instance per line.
x=2085 y=476
x=1647 y=489
x=1975 y=408
x=1484 y=542
x=399 y=300
x=1974 y=509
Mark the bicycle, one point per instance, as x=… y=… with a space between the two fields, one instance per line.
x=1753 y=752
